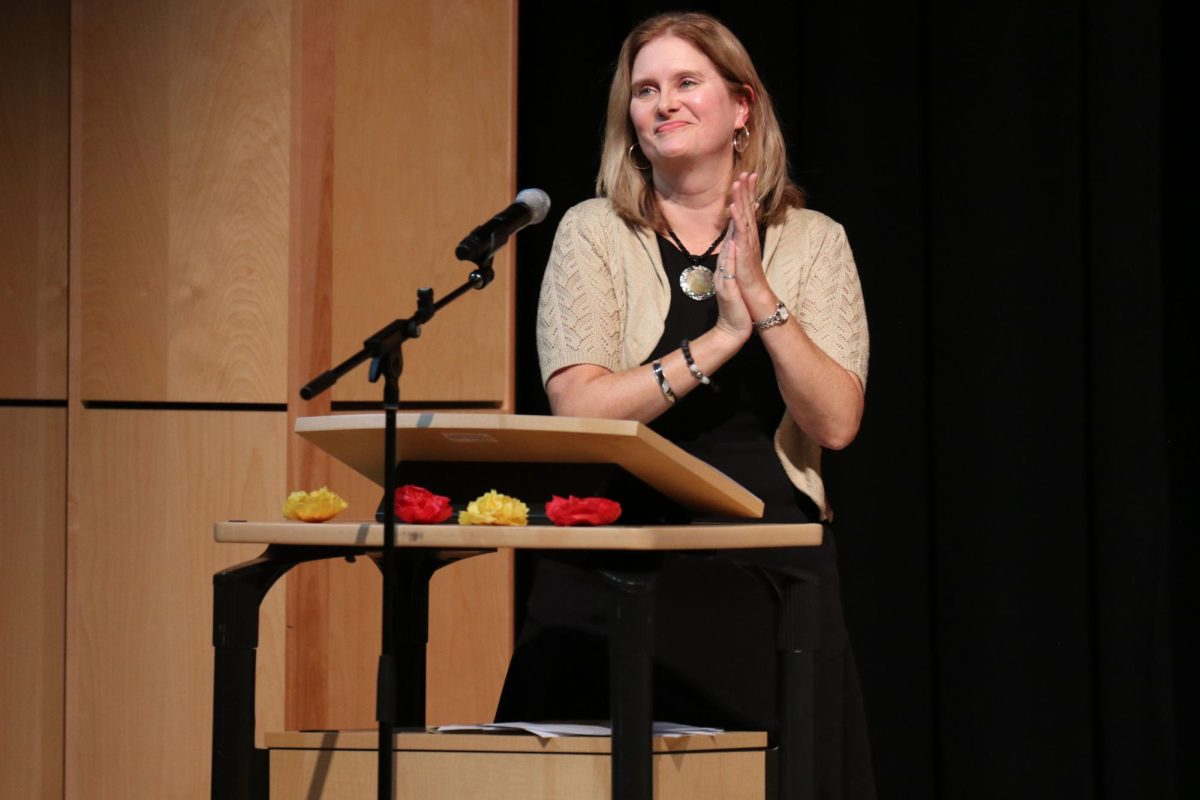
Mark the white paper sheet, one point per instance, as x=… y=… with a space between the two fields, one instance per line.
x=551 y=730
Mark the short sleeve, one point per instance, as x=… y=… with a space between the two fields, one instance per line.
x=831 y=310
x=579 y=319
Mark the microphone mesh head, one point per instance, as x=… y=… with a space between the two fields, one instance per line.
x=538 y=203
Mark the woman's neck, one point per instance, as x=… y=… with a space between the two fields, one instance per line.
x=694 y=204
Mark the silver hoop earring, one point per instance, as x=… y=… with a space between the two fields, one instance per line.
x=633 y=159
x=741 y=139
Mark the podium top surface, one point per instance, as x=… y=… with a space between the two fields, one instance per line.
x=357 y=441
x=533 y=537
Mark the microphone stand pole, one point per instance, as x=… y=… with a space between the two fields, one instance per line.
x=384 y=348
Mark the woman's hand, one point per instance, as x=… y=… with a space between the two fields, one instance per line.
x=740 y=278
x=733 y=318
x=756 y=293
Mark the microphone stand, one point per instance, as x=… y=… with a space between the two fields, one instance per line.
x=384 y=348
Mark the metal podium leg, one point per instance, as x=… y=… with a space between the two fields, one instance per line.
x=797 y=639
x=630 y=680
x=239 y=770
x=413 y=573
x=797 y=596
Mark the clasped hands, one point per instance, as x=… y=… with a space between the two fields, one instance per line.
x=743 y=294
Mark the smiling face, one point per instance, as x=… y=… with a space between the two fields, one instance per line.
x=681 y=107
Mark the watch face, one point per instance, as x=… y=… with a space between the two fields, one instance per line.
x=778 y=318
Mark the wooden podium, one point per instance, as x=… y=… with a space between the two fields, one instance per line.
x=626 y=558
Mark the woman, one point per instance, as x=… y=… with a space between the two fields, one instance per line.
x=697 y=268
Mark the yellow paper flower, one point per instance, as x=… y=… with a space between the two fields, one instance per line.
x=494 y=508
x=317 y=506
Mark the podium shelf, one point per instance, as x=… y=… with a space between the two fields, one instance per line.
x=489 y=537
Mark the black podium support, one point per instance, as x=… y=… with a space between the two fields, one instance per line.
x=631 y=685
x=239 y=769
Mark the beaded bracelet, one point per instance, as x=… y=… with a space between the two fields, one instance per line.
x=662 y=381
x=695 y=370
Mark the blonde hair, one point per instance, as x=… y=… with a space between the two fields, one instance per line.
x=631 y=190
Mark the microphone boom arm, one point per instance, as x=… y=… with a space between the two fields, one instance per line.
x=392 y=336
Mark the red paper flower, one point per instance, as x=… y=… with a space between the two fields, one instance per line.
x=582 y=510
x=417 y=505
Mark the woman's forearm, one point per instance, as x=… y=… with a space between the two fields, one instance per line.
x=588 y=390
x=824 y=398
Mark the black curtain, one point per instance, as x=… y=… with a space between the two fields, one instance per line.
x=1012 y=515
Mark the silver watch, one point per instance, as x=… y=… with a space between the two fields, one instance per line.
x=778 y=318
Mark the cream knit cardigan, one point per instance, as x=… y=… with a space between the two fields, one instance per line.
x=604 y=301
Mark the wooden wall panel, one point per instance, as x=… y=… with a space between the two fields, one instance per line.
x=34 y=100
x=33 y=464
x=470 y=639
x=184 y=289
x=146 y=487
x=424 y=150
x=34 y=151
x=334 y=633
x=333 y=627
x=310 y=268
x=403 y=139
x=183 y=199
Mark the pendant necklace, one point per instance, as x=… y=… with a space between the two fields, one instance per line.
x=697 y=281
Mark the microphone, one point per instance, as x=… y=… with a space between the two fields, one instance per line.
x=530 y=208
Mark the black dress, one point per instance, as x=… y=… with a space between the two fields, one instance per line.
x=714 y=635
